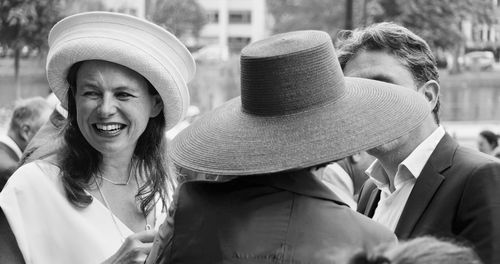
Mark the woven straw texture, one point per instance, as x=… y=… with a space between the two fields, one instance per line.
x=132 y=42
x=296 y=110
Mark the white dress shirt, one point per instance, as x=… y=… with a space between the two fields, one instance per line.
x=392 y=203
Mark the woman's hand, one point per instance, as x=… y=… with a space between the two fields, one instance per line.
x=135 y=249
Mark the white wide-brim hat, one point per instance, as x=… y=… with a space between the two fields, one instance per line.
x=132 y=42
x=296 y=110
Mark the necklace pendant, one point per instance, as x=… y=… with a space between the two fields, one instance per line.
x=147 y=227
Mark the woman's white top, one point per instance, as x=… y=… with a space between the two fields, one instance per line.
x=49 y=229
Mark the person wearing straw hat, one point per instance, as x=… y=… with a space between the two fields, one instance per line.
x=423 y=183
x=123 y=81
x=296 y=112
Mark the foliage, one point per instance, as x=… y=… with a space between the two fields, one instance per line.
x=438 y=22
x=27 y=22
x=181 y=17
x=326 y=15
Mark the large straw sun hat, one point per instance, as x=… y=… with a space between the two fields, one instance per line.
x=135 y=43
x=296 y=110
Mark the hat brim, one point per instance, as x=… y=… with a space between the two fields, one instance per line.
x=228 y=141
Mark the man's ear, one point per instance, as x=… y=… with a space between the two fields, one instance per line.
x=431 y=91
x=157 y=105
x=25 y=132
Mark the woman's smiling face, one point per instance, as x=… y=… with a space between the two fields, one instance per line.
x=113 y=106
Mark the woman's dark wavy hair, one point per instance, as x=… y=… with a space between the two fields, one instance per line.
x=80 y=161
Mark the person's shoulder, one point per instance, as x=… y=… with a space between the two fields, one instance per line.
x=471 y=158
x=368 y=227
x=33 y=173
x=209 y=188
x=475 y=155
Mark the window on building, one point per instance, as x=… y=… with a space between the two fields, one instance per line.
x=236 y=44
x=240 y=17
x=213 y=16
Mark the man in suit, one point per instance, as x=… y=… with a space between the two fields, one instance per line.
x=28 y=116
x=423 y=183
x=296 y=113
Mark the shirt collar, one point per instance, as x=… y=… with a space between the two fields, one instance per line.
x=300 y=181
x=11 y=144
x=414 y=163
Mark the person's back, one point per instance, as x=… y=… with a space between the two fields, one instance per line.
x=284 y=218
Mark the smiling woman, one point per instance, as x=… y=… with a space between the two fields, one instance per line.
x=114 y=105
x=99 y=197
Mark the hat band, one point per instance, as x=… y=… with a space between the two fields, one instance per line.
x=307 y=79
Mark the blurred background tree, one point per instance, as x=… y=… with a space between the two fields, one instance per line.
x=24 y=27
x=183 y=18
x=438 y=22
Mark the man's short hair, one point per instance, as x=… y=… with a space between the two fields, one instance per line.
x=408 y=48
x=29 y=111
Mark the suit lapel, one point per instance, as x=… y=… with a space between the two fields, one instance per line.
x=426 y=186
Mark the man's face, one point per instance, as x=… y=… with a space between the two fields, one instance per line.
x=381 y=66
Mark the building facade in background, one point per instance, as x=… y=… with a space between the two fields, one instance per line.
x=131 y=7
x=234 y=23
x=482 y=36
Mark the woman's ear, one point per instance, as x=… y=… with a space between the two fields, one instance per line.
x=157 y=105
x=431 y=92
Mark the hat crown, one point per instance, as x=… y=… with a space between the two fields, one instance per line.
x=290 y=73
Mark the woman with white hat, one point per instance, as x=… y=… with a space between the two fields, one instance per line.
x=100 y=199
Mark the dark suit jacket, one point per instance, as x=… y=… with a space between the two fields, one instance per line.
x=286 y=218
x=8 y=163
x=457 y=195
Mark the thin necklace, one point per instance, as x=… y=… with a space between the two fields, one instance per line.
x=111 y=213
x=117 y=183
x=113 y=217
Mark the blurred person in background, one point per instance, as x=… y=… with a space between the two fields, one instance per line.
x=49 y=138
x=422 y=183
x=420 y=250
x=101 y=198
x=487 y=142
x=28 y=116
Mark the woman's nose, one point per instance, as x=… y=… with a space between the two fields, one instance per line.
x=108 y=106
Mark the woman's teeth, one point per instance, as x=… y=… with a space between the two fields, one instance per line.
x=108 y=127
